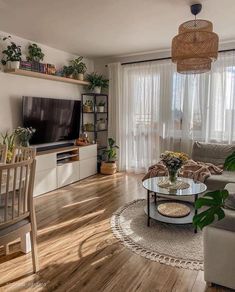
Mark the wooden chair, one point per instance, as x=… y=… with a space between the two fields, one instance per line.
x=17 y=217
x=3 y=154
x=23 y=153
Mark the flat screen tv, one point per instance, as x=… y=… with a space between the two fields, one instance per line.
x=55 y=120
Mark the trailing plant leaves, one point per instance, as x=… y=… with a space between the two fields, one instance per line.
x=215 y=202
x=229 y=163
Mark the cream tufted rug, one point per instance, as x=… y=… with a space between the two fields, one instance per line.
x=174 y=245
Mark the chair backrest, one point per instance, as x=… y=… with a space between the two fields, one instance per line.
x=16 y=191
x=23 y=153
x=3 y=153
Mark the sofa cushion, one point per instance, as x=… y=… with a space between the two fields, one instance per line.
x=217 y=182
x=212 y=153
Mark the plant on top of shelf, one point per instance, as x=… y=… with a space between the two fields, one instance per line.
x=67 y=71
x=12 y=54
x=215 y=201
x=79 y=68
x=88 y=106
x=97 y=82
x=35 y=53
x=109 y=165
x=101 y=107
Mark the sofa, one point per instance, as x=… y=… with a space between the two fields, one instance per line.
x=216 y=154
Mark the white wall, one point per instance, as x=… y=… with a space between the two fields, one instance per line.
x=13 y=87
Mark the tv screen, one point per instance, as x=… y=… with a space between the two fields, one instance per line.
x=54 y=119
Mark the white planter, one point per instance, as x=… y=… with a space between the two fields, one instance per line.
x=101 y=126
x=100 y=109
x=97 y=89
x=80 y=76
x=14 y=64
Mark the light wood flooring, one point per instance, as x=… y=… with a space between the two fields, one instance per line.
x=78 y=252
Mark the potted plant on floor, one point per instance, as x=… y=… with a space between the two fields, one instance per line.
x=109 y=166
x=11 y=55
x=97 y=82
x=79 y=68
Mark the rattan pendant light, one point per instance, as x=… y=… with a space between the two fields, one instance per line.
x=196 y=45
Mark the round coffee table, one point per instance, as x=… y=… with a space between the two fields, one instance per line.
x=162 y=195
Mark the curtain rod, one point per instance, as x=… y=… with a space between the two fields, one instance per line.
x=162 y=59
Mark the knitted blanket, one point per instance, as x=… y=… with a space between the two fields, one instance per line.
x=198 y=171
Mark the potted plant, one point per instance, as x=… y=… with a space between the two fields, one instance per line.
x=79 y=68
x=89 y=127
x=24 y=135
x=35 y=53
x=9 y=140
x=88 y=106
x=101 y=125
x=67 y=71
x=11 y=55
x=101 y=107
x=109 y=166
x=97 y=82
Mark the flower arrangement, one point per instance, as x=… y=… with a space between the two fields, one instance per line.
x=24 y=135
x=173 y=162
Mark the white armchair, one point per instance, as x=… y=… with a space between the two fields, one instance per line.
x=219 y=249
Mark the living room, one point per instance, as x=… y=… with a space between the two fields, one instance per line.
x=117 y=145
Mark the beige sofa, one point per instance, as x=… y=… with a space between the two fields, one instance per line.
x=216 y=154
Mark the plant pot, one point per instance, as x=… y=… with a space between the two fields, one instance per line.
x=87 y=109
x=100 y=109
x=97 y=89
x=80 y=76
x=108 y=168
x=101 y=126
x=15 y=65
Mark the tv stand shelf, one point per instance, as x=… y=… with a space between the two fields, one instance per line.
x=45 y=76
x=58 y=167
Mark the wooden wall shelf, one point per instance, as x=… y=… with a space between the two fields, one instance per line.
x=45 y=76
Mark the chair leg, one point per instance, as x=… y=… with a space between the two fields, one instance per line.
x=6 y=249
x=34 y=251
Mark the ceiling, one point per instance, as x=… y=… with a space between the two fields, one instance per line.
x=98 y=28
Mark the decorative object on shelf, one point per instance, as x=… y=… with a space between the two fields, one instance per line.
x=50 y=69
x=101 y=124
x=101 y=107
x=82 y=140
x=173 y=209
x=109 y=166
x=88 y=106
x=24 y=135
x=173 y=161
x=11 y=55
x=89 y=127
x=79 y=68
x=67 y=71
x=97 y=82
x=9 y=140
x=178 y=185
x=196 y=45
x=215 y=201
x=35 y=53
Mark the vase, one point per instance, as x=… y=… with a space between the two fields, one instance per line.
x=172 y=175
x=97 y=89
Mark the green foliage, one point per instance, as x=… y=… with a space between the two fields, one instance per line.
x=229 y=163
x=12 y=52
x=9 y=140
x=215 y=203
x=111 y=151
x=97 y=80
x=67 y=71
x=35 y=53
x=78 y=66
x=101 y=103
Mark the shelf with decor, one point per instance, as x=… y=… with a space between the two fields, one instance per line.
x=95 y=117
x=33 y=74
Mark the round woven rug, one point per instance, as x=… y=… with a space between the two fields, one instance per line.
x=170 y=244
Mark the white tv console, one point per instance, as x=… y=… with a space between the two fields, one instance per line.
x=59 y=167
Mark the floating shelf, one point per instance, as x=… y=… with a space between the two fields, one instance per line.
x=45 y=76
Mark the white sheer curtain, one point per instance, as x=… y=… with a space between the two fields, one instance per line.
x=156 y=109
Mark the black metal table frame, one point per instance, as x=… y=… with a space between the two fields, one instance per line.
x=155 y=201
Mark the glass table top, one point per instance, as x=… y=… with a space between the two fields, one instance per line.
x=194 y=188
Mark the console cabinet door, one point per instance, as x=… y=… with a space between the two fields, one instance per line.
x=87 y=152
x=67 y=173
x=88 y=167
x=45 y=181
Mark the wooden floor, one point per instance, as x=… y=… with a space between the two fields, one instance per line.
x=78 y=251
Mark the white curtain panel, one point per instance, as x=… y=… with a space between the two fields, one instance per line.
x=155 y=109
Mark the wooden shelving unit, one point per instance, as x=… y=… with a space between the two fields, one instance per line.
x=45 y=76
